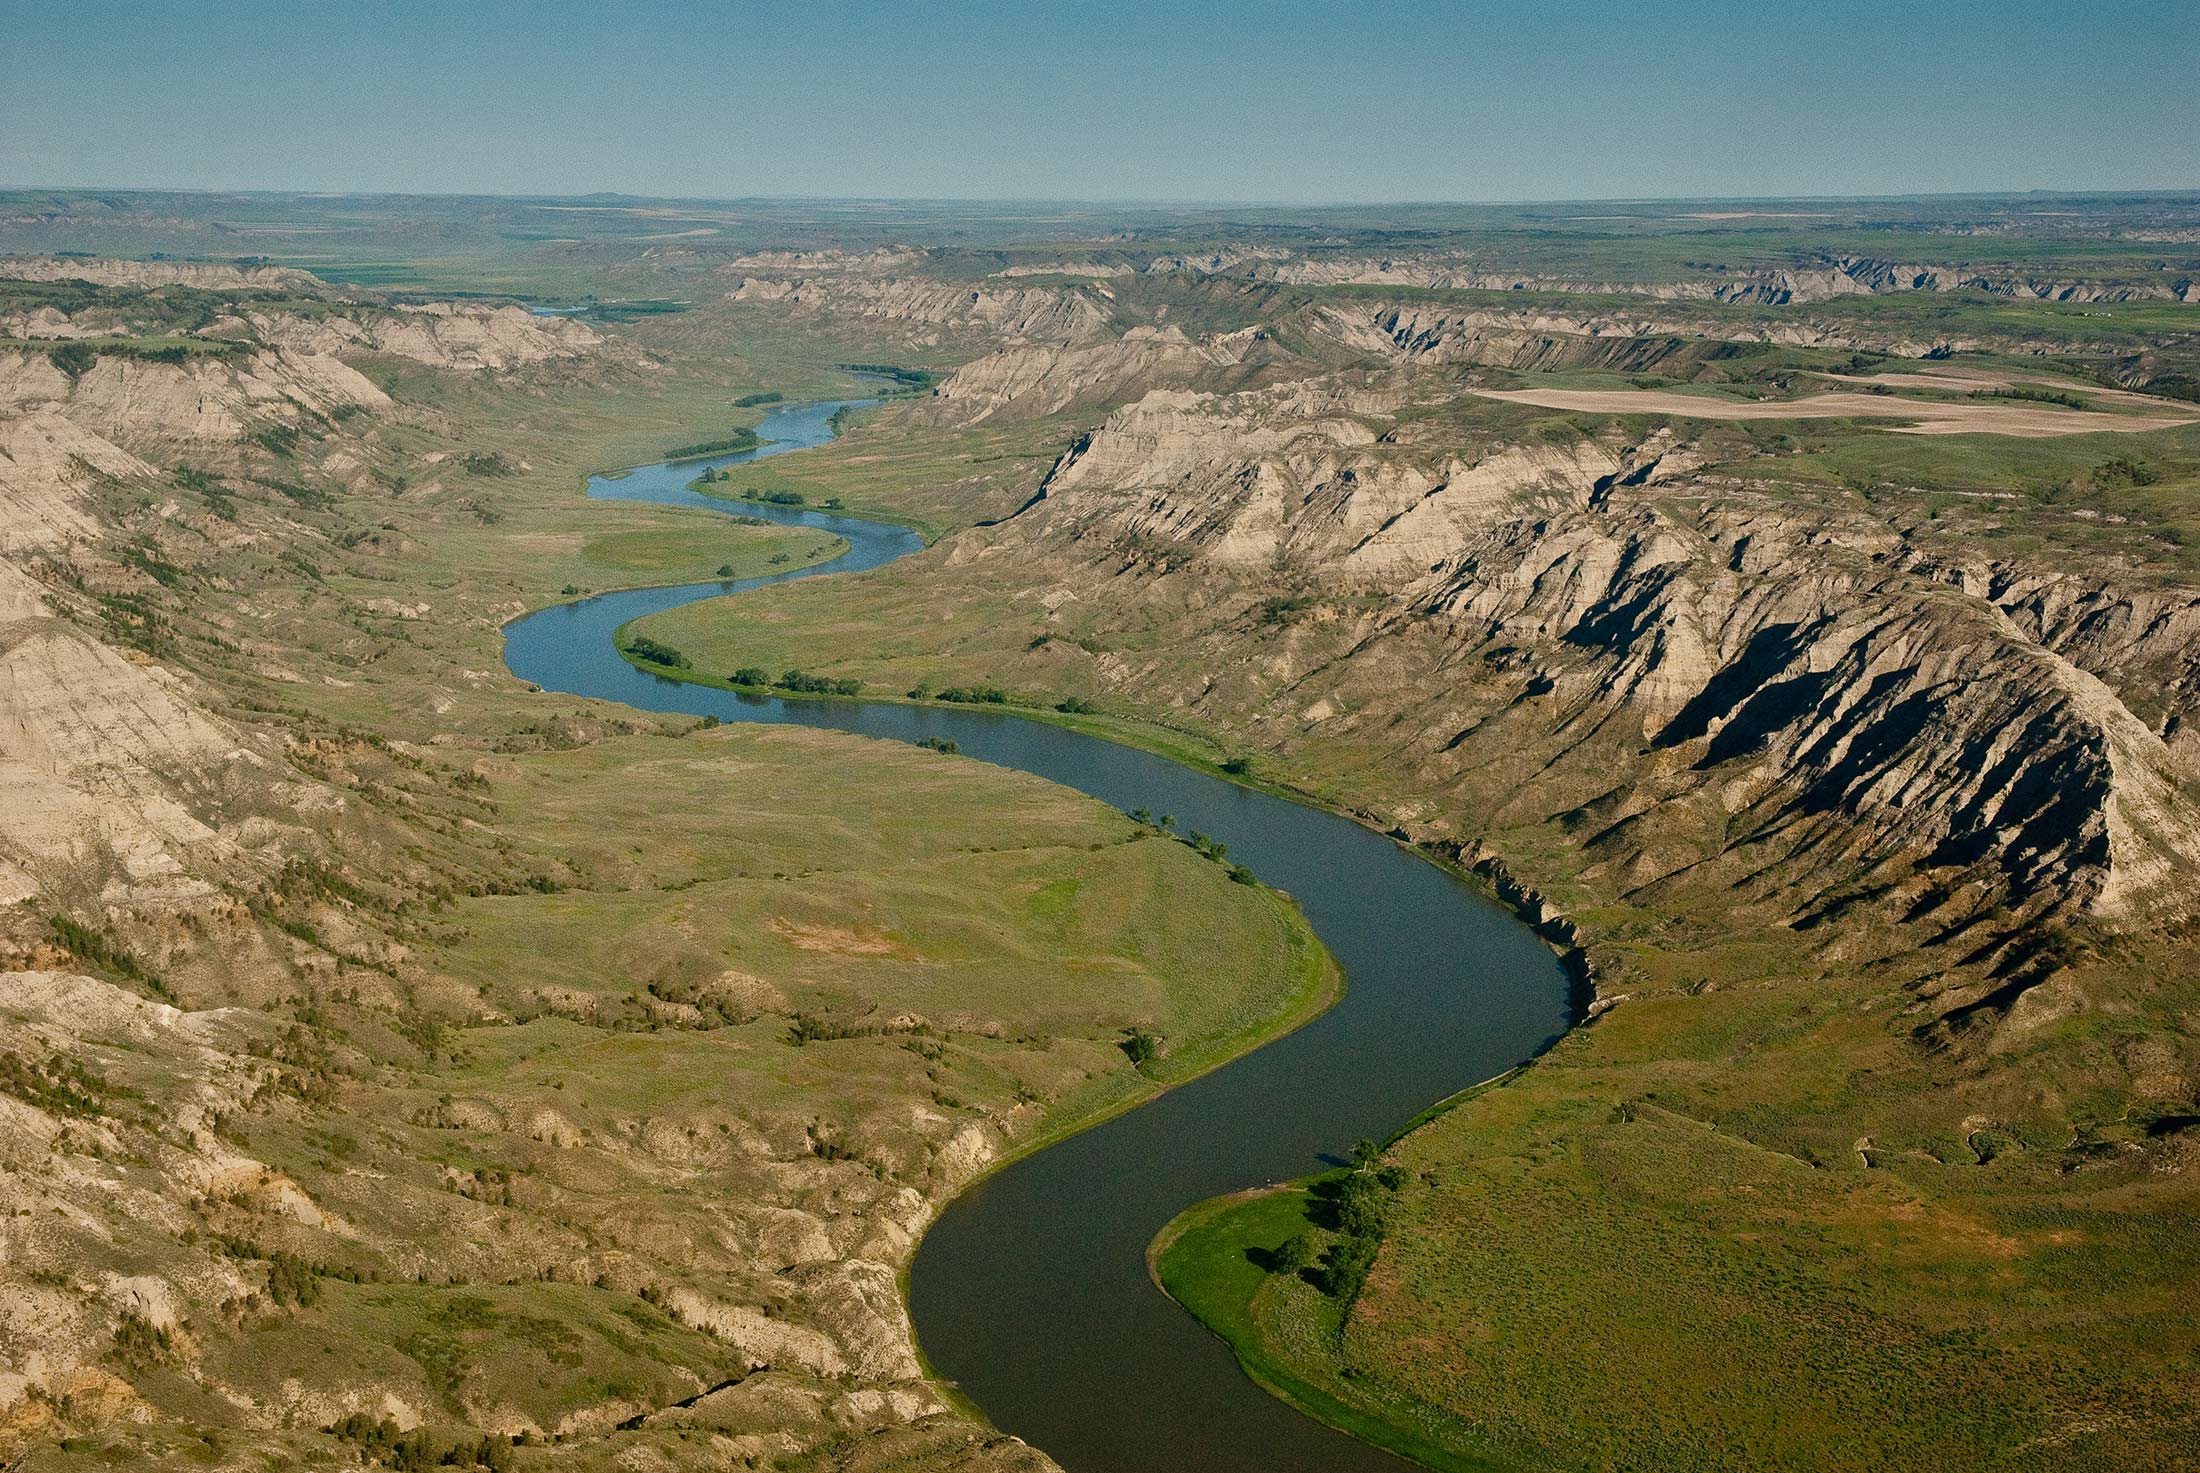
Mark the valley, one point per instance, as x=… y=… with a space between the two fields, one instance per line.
x=1792 y=624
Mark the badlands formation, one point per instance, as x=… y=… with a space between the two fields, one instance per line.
x=400 y=1063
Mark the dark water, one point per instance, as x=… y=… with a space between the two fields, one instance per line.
x=1031 y=1292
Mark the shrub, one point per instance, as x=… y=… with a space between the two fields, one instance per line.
x=139 y=1342
x=277 y=439
x=939 y=744
x=810 y=1028
x=750 y=675
x=2124 y=471
x=487 y=463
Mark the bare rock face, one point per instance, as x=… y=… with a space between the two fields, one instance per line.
x=922 y=310
x=455 y=336
x=47 y=465
x=213 y=276
x=1033 y=382
x=1538 y=339
x=1789 y=704
x=100 y=756
x=1818 y=278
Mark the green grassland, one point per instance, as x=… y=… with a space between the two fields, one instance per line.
x=937 y=480
x=1215 y=1258
x=652 y=968
x=1691 y=1160
x=1566 y=1240
x=592 y=957
x=514 y=1153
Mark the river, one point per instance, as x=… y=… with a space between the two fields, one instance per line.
x=1030 y=1292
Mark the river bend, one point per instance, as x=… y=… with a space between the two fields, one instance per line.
x=1030 y=1292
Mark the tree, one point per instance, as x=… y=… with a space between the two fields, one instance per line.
x=1295 y=1256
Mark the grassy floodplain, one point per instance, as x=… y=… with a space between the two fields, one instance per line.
x=1683 y=1172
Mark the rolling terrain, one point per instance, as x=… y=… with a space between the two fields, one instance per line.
x=1858 y=760
x=403 y=1065
x=1797 y=617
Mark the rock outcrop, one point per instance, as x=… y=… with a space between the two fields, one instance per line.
x=1793 y=707
x=926 y=311
x=207 y=275
x=456 y=336
x=1818 y=278
x=1033 y=382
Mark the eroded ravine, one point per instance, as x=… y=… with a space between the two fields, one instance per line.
x=1030 y=1292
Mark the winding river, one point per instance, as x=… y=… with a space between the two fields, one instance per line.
x=1030 y=1292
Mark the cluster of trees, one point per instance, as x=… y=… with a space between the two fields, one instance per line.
x=1219 y=852
x=906 y=380
x=967 y=695
x=940 y=744
x=1355 y=1207
x=804 y=683
x=1140 y=1046
x=993 y=695
x=57 y=1085
x=750 y=401
x=277 y=439
x=382 y=1441
x=642 y=647
x=86 y=944
x=776 y=498
x=738 y=441
x=487 y=463
x=2043 y=396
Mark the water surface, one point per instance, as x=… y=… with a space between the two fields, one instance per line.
x=1031 y=1292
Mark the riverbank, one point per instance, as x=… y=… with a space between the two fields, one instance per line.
x=1472 y=862
x=1043 y=1257
x=1219 y=1259
x=1212 y=1258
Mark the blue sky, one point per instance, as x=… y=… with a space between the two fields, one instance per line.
x=1279 y=101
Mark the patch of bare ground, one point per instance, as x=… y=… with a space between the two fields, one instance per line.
x=1924 y=416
